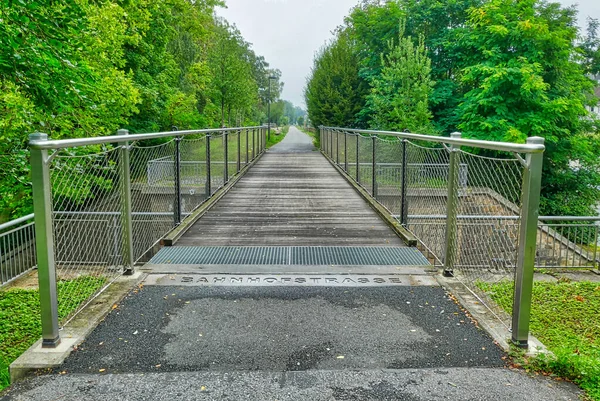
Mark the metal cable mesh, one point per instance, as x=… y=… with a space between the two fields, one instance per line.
x=232 y=154
x=365 y=163
x=193 y=173
x=341 y=154
x=388 y=158
x=487 y=225
x=217 y=162
x=245 y=157
x=351 y=150
x=86 y=194
x=152 y=196
x=17 y=251
x=426 y=191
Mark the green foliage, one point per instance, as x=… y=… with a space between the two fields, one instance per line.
x=334 y=92
x=81 y=68
x=503 y=70
x=564 y=317
x=399 y=95
x=590 y=47
x=20 y=325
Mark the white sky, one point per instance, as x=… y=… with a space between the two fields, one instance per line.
x=288 y=32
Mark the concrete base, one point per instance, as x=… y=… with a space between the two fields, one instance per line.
x=37 y=357
x=490 y=323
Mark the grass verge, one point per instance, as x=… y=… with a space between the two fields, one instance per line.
x=314 y=135
x=275 y=139
x=20 y=324
x=564 y=316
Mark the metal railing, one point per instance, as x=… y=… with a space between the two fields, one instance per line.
x=457 y=196
x=17 y=248
x=102 y=204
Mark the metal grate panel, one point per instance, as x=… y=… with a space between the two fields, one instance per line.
x=304 y=255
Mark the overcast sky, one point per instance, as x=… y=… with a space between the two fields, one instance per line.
x=288 y=32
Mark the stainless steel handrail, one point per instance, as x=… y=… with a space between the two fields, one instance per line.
x=70 y=143
x=12 y=223
x=476 y=143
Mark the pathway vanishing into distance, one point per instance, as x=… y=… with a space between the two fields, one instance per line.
x=291 y=197
x=380 y=330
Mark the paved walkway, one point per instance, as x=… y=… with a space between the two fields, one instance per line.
x=291 y=197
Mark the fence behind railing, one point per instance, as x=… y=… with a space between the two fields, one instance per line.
x=103 y=204
x=17 y=248
x=458 y=203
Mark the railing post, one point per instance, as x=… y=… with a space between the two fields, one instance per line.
x=247 y=130
x=44 y=241
x=374 y=175
x=404 y=199
x=225 y=159
x=530 y=203
x=253 y=143
x=358 y=158
x=177 y=208
x=127 y=208
x=321 y=138
x=239 y=151
x=346 y=152
x=337 y=147
x=451 y=208
x=208 y=175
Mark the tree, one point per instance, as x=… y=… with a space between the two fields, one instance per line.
x=590 y=47
x=522 y=80
x=399 y=94
x=334 y=92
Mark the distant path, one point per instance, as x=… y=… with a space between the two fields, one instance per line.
x=291 y=197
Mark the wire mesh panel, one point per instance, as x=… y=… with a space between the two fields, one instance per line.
x=365 y=165
x=388 y=173
x=17 y=250
x=427 y=170
x=351 y=154
x=153 y=203
x=341 y=152
x=217 y=160
x=245 y=158
x=232 y=154
x=193 y=173
x=86 y=196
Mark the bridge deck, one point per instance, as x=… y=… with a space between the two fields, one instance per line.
x=291 y=197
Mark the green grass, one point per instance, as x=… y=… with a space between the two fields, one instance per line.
x=314 y=135
x=20 y=324
x=275 y=139
x=565 y=317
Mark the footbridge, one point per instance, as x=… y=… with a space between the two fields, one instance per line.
x=294 y=258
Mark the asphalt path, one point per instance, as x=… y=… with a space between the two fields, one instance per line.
x=282 y=343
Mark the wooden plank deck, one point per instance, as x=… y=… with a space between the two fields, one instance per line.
x=291 y=197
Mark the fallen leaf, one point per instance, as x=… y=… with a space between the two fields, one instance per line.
x=101 y=370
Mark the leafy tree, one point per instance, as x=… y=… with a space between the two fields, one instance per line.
x=591 y=47
x=399 y=95
x=334 y=93
x=521 y=81
x=81 y=68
